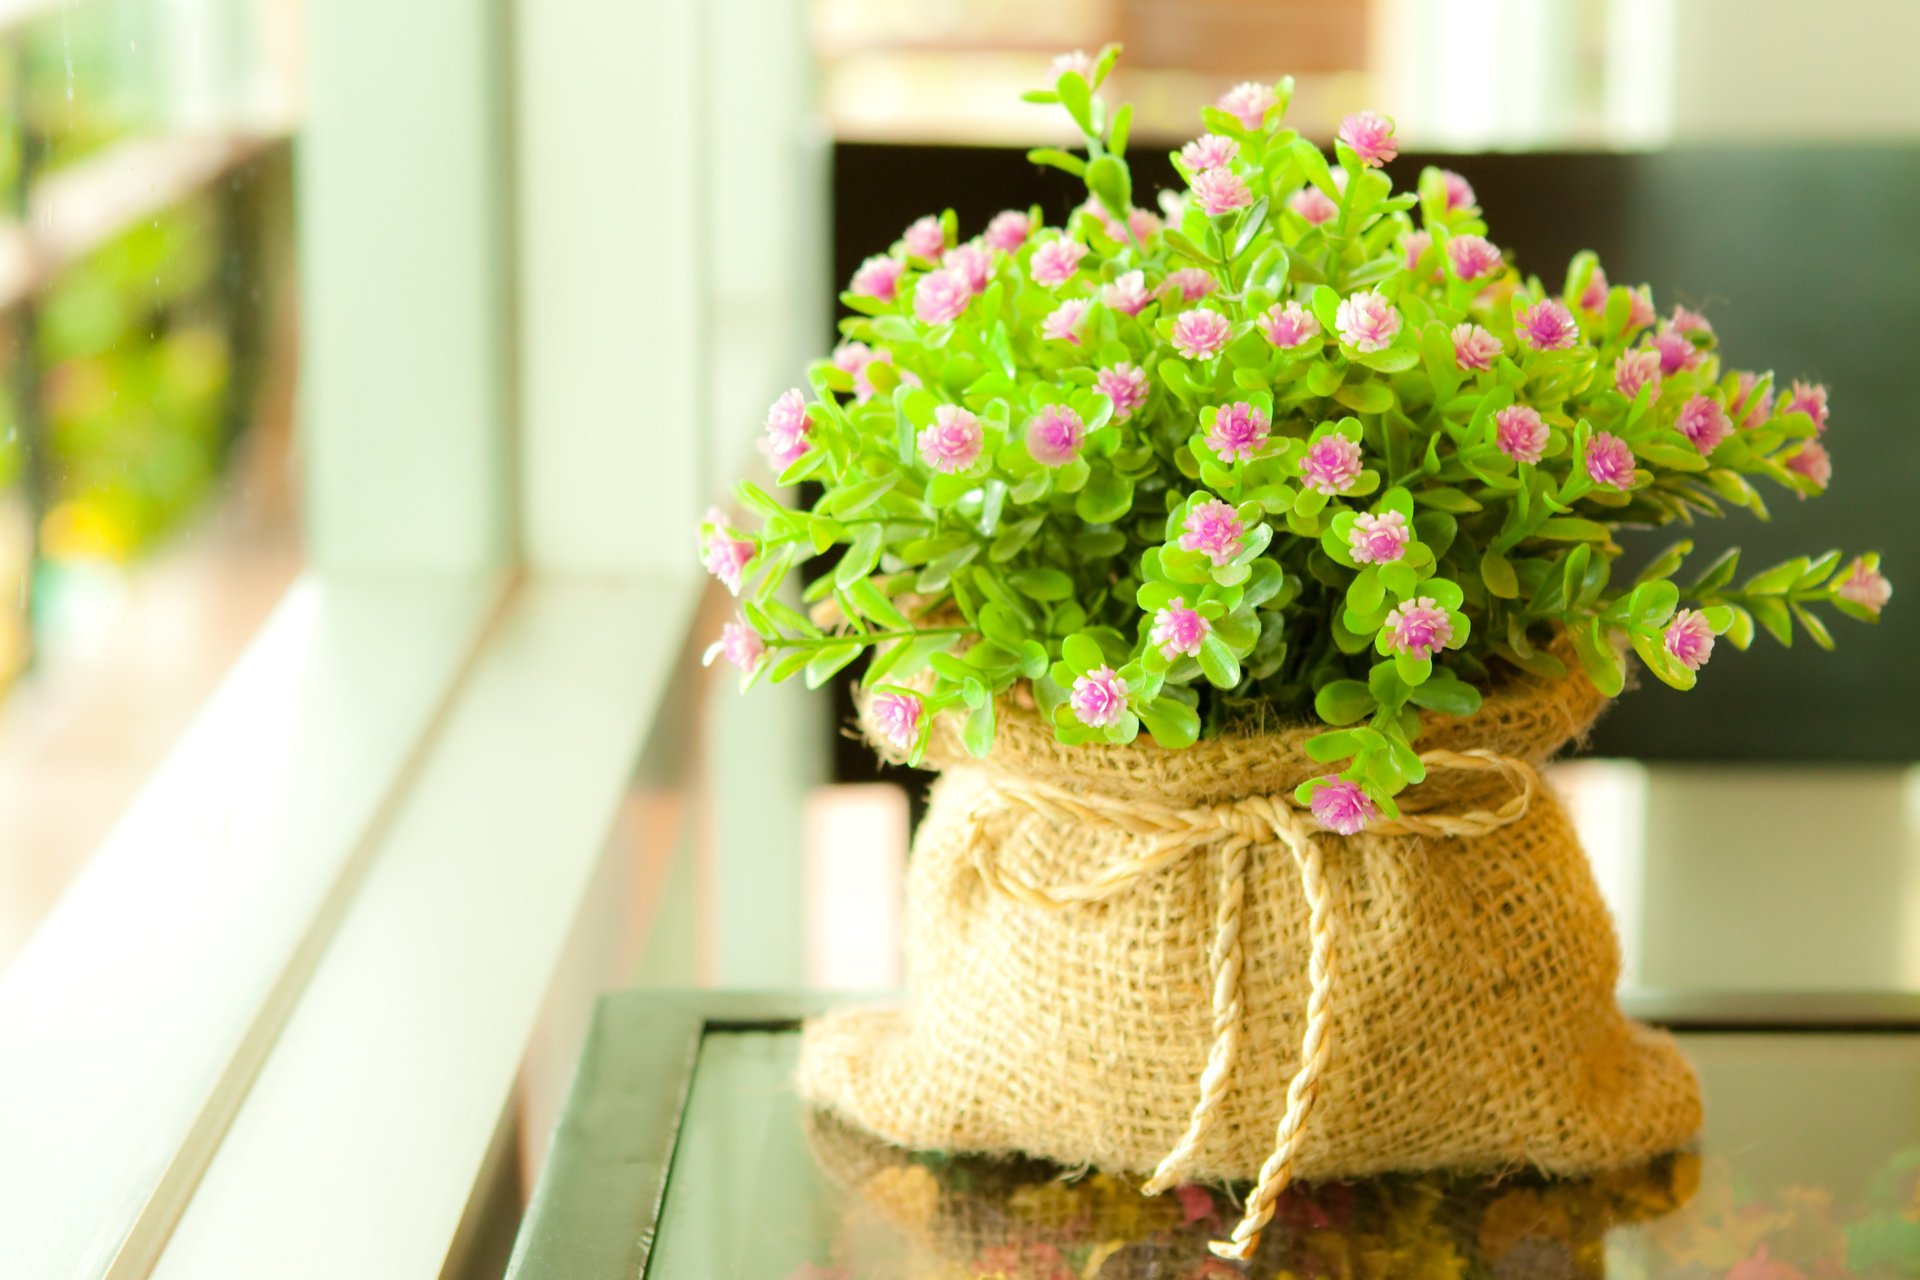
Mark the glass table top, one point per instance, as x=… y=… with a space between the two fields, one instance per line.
x=1809 y=1169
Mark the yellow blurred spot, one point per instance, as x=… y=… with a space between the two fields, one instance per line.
x=84 y=531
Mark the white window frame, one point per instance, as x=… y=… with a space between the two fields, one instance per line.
x=277 y=1025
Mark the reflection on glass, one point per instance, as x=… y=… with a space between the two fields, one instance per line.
x=1827 y=1189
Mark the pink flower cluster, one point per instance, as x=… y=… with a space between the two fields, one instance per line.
x=1219 y=191
x=1126 y=385
x=1179 y=631
x=1418 y=628
x=1249 y=103
x=1689 y=639
x=1288 y=325
x=1239 y=431
x=1520 y=434
x=1866 y=586
x=1332 y=465
x=1099 y=698
x=1704 y=423
x=952 y=441
x=1342 y=807
x=1200 y=334
x=1379 y=539
x=1609 y=461
x=787 y=428
x=1055 y=262
x=897 y=717
x=1056 y=435
x=1213 y=529
x=1474 y=348
x=1128 y=293
x=1063 y=322
x=1370 y=135
x=1367 y=321
x=1546 y=326
x=1473 y=257
x=1313 y=204
x=739 y=644
x=725 y=556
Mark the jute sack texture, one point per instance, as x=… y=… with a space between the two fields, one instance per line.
x=1152 y=962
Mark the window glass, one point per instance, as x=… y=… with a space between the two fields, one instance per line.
x=147 y=373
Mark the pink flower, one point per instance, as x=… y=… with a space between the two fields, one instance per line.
x=1099 y=698
x=1008 y=230
x=1418 y=628
x=739 y=644
x=1416 y=244
x=1704 y=423
x=1546 y=326
x=1200 y=334
x=1179 y=630
x=1055 y=436
x=1594 y=296
x=787 y=428
x=1640 y=311
x=1676 y=351
x=1459 y=191
x=725 y=556
x=1809 y=398
x=1128 y=295
x=1332 y=464
x=1636 y=369
x=1144 y=223
x=1287 y=325
x=1239 y=431
x=940 y=297
x=1609 y=461
x=1208 y=151
x=1814 y=462
x=897 y=717
x=1474 y=347
x=1689 y=322
x=926 y=238
x=1367 y=321
x=1221 y=191
x=1866 y=586
x=1378 y=539
x=1689 y=639
x=1213 y=528
x=1313 y=204
x=1063 y=322
x=1749 y=410
x=1191 y=283
x=971 y=263
x=1520 y=434
x=1342 y=807
x=1126 y=385
x=952 y=441
x=854 y=357
x=1248 y=103
x=1473 y=257
x=1196 y=1202
x=878 y=277
x=1054 y=262
x=1370 y=135
x=1075 y=61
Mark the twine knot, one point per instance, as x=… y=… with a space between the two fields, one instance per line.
x=1235 y=830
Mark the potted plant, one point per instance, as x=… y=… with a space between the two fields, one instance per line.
x=1236 y=565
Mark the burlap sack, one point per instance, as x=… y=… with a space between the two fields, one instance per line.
x=1145 y=960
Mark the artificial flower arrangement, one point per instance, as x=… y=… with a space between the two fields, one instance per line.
x=1306 y=480
x=1302 y=447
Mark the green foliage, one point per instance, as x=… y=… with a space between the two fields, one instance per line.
x=1272 y=509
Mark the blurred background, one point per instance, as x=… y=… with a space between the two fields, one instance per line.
x=1758 y=167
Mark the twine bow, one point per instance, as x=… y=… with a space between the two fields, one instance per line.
x=1238 y=828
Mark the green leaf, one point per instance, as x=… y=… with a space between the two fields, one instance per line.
x=1771 y=612
x=850 y=500
x=1810 y=623
x=1107 y=497
x=1186 y=248
x=977 y=736
x=1366 y=397
x=1344 y=701
x=1218 y=664
x=1074 y=96
x=1173 y=723
x=874 y=604
x=1082 y=653
x=1497 y=572
x=1654 y=654
x=1447 y=695
x=1041 y=584
x=861 y=556
x=1600 y=659
x=1117 y=132
x=823 y=664
x=1774 y=581
x=1572 y=529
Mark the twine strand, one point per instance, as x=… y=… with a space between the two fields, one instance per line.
x=1238 y=828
